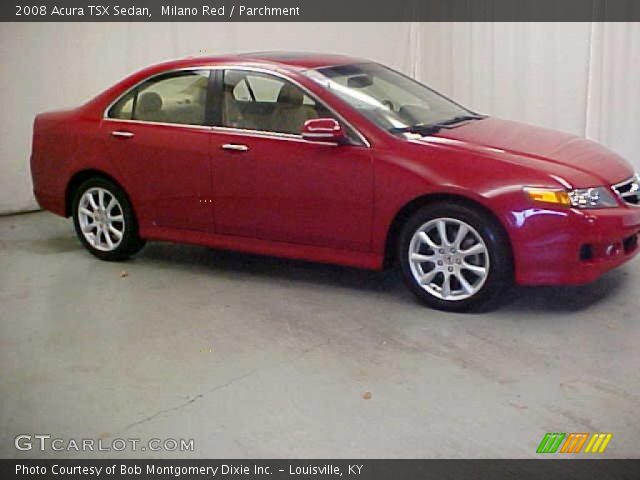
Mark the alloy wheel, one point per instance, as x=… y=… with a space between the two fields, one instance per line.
x=101 y=219
x=449 y=259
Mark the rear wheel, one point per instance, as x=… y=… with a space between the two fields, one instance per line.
x=454 y=257
x=104 y=220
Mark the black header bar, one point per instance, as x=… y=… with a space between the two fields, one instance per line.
x=320 y=10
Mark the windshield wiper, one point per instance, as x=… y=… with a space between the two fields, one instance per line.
x=461 y=118
x=426 y=129
x=420 y=129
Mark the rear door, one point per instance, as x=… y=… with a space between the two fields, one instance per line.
x=159 y=138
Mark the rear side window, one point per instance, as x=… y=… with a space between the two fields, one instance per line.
x=177 y=97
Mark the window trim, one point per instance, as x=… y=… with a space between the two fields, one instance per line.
x=215 y=88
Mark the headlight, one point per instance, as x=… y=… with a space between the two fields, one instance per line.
x=595 y=197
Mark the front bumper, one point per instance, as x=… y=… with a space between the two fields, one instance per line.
x=572 y=247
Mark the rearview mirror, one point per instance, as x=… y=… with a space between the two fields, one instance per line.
x=323 y=130
x=359 y=81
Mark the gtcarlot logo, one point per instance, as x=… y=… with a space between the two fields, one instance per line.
x=45 y=442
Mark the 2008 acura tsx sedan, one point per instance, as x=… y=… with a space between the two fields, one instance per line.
x=339 y=160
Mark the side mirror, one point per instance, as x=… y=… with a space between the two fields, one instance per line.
x=323 y=130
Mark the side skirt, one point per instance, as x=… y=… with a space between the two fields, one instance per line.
x=365 y=260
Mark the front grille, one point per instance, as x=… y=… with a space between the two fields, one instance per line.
x=629 y=190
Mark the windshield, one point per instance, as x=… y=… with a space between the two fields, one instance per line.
x=389 y=99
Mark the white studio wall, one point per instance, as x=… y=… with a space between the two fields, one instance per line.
x=535 y=73
x=578 y=77
x=47 y=66
x=582 y=78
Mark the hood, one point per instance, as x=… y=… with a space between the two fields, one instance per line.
x=579 y=161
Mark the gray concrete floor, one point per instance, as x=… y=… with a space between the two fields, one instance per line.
x=260 y=357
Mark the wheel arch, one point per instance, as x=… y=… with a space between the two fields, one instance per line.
x=408 y=209
x=79 y=177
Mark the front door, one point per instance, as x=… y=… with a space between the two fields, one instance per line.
x=271 y=184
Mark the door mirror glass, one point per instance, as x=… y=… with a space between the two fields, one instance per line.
x=323 y=130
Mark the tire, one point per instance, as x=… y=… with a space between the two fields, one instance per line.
x=475 y=259
x=104 y=220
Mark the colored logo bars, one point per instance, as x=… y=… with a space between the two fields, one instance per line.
x=573 y=443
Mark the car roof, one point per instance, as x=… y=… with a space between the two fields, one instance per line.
x=302 y=59
x=292 y=60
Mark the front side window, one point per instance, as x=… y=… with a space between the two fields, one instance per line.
x=387 y=98
x=177 y=97
x=257 y=101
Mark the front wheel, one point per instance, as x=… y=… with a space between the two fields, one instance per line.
x=454 y=257
x=104 y=220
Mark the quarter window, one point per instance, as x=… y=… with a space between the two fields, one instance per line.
x=178 y=97
x=123 y=108
x=257 y=101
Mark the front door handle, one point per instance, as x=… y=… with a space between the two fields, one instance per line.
x=235 y=146
x=122 y=134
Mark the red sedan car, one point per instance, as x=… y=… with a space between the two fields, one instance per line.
x=340 y=160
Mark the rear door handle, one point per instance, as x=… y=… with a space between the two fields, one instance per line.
x=122 y=134
x=235 y=146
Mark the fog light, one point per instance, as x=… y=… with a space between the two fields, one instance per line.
x=629 y=244
x=586 y=252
